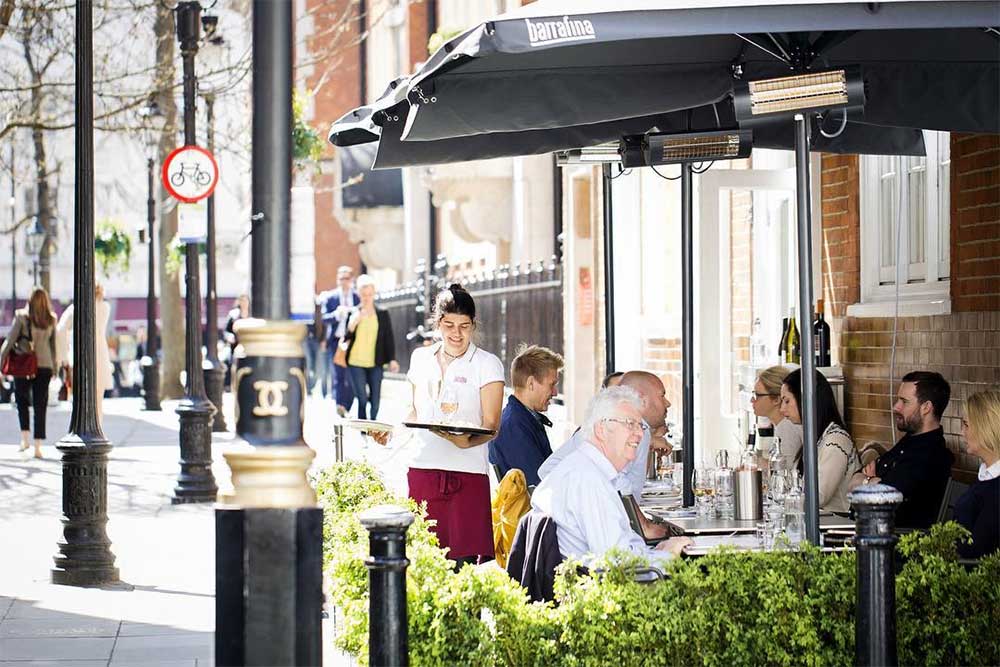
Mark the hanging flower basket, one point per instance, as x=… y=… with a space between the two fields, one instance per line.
x=112 y=247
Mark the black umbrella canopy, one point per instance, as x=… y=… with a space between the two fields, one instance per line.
x=393 y=152
x=552 y=64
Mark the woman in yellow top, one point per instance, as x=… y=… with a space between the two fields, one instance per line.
x=371 y=346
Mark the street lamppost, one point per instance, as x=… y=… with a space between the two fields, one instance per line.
x=152 y=118
x=195 y=484
x=34 y=241
x=84 y=557
x=213 y=370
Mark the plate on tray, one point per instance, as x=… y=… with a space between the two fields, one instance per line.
x=370 y=425
x=458 y=429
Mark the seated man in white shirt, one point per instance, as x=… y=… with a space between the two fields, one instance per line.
x=630 y=481
x=580 y=494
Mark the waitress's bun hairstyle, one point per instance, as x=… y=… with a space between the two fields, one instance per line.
x=454 y=301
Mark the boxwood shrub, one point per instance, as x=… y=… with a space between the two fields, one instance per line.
x=728 y=608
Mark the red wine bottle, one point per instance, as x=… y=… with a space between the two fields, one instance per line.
x=821 y=336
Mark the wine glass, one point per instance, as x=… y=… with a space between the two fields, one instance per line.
x=448 y=402
x=703 y=483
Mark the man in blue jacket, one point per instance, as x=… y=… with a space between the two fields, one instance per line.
x=522 y=442
x=338 y=306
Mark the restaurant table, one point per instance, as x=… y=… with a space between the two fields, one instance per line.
x=704 y=544
x=702 y=526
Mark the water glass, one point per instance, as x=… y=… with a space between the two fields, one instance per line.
x=724 y=490
x=760 y=531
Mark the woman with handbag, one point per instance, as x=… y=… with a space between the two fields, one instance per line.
x=29 y=354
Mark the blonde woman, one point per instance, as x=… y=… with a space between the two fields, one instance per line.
x=766 y=402
x=102 y=313
x=979 y=507
x=34 y=330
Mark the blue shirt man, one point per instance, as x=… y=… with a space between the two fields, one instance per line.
x=522 y=442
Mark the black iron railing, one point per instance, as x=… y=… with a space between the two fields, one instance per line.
x=514 y=305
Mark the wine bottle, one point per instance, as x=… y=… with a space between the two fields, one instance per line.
x=793 y=355
x=821 y=336
x=781 y=343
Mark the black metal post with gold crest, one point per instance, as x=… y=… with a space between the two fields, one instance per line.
x=269 y=530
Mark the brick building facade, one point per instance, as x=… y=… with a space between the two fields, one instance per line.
x=963 y=345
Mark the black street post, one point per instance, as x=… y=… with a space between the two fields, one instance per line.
x=195 y=483
x=268 y=582
x=84 y=557
x=388 y=635
x=875 y=622
x=213 y=371
x=150 y=361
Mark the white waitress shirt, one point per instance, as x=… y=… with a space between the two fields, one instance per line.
x=628 y=481
x=580 y=496
x=466 y=375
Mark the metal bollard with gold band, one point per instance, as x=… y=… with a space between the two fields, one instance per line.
x=269 y=385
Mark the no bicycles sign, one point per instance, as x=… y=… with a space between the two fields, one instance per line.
x=190 y=174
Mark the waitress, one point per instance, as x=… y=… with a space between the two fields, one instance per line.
x=449 y=471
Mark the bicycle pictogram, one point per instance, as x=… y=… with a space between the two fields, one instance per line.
x=190 y=170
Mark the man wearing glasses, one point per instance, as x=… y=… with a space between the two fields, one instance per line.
x=653 y=413
x=579 y=493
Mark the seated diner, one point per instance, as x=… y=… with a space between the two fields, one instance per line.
x=579 y=493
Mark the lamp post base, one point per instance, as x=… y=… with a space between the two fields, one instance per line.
x=195 y=483
x=151 y=384
x=215 y=378
x=85 y=557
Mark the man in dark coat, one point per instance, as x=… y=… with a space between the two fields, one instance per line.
x=919 y=465
x=522 y=442
x=339 y=304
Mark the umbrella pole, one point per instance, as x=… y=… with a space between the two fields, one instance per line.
x=687 y=328
x=609 y=276
x=807 y=409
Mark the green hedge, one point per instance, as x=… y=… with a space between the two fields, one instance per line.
x=728 y=608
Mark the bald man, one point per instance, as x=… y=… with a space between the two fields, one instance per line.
x=654 y=415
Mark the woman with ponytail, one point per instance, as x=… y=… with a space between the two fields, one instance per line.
x=449 y=471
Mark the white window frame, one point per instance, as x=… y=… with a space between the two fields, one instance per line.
x=924 y=286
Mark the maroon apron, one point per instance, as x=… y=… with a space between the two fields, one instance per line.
x=460 y=504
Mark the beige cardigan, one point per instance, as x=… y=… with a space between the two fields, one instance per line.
x=43 y=340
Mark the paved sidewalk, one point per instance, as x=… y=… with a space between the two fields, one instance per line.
x=163 y=614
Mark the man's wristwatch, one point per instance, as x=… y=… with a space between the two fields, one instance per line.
x=868 y=480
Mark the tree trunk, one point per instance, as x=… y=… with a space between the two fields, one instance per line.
x=43 y=204
x=171 y=311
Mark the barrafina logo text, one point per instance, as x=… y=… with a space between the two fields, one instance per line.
x=543 y=33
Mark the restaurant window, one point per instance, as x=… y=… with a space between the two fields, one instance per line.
x=905 y=219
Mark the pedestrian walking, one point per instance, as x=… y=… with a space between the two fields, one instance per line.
x=370 y=346
x=321 y=364
x=29 y=353
x=239 y=311
x=455 y=381
x=336 y=310
x=102 y=354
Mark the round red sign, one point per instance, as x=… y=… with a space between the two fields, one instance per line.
x=190 y=174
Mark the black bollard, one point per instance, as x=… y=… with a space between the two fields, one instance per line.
x=875 y=623
x=387 y=628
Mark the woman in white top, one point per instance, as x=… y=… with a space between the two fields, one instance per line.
x=64 y=337
x=449 y=472
x=838 y=459
x=766 y=402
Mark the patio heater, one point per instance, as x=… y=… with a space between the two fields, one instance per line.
x=684 y=149
x=798 y=95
